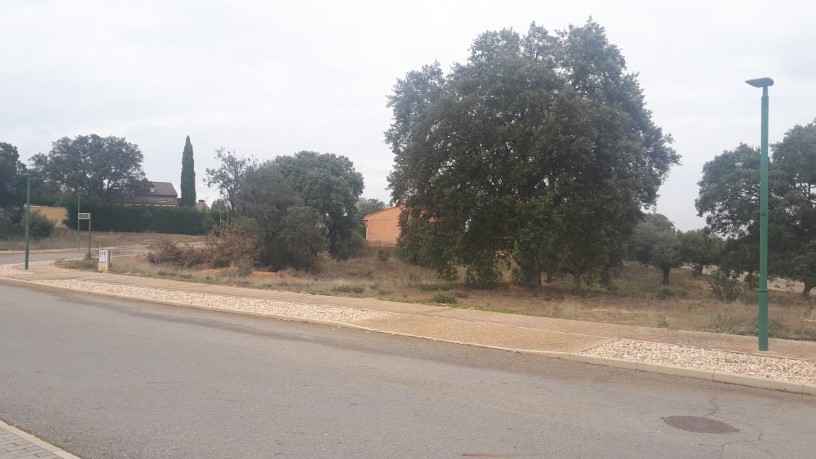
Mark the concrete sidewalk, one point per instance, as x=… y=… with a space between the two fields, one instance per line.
x=16 y=444
x=557 y=338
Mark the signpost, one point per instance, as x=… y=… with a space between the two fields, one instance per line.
x=86 y=216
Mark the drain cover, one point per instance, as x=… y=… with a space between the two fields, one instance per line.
x=699 y=424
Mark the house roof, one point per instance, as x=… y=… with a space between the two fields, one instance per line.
x=163 y=189
x=387 y=209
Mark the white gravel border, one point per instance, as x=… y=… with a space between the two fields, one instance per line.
x=776 y=368
x=292 y=310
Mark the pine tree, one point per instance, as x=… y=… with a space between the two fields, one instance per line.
x=188 y=191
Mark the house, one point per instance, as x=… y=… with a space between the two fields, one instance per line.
x=157 y=194
x=382 y=227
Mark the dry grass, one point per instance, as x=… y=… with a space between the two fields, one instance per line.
x=638 y=298
x=67 y=239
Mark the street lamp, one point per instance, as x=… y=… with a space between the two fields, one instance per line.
x=28 y=216
x=763 y=83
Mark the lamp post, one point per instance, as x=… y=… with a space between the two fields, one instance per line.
x=763 y=83
x=28 y=216
x=77 y=231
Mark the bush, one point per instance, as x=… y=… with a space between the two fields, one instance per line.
x=13 y=223
x=384 y=255
x=244 y=267
x=725 y=286
x=166 y=252
x=235 y=244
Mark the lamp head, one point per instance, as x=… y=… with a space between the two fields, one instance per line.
x=760 y=82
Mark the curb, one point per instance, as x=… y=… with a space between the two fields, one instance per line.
x=668 y=370
x=37 y=442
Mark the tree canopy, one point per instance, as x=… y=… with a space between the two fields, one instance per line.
x=729 y=199
x=538 y=149
x=329 y=184
x=655 y=242
x=188 y=188
x=98 y=167
x=229 y=175
x=367 y=206
x=10 y=169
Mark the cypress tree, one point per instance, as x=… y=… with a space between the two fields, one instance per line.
x=188 y=191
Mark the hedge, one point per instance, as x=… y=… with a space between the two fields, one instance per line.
x=159 y=219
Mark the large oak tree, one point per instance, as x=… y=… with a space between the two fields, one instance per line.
x=98 y=167
x=729 y=200
x=538 y=149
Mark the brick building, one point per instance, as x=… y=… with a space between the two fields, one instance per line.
x=382 y=227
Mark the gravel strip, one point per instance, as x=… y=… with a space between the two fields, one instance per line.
x=209 y=300
x=776 y=368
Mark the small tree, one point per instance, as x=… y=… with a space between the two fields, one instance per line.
x=188 y=189
x=655 y=243
x=229 y=176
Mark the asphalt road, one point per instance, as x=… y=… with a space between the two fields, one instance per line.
x=109 y=378
x=19 y=258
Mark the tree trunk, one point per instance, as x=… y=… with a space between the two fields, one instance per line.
x=808 y=286
x=532 y=272
x=666 y=276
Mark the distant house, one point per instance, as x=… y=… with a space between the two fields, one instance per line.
x=202 y=205
x=157 y=194
x=382 y=227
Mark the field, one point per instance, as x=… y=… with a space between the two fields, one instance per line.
x=637 y=299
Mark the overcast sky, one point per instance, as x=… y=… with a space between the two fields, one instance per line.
x=272 y=78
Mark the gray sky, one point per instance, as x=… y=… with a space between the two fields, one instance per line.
x=272 y=78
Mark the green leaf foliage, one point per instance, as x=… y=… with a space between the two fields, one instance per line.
x=729 y=200
x=655 y=242
x=330 y=184
x=12 y=185
x=159 y=219
x=188 y=189
x=539 y=149
x=104 y=168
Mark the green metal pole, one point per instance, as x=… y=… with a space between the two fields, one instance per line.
x=78 y=221
x=28 y=218
x=763 y=226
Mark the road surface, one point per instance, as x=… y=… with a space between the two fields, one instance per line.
x=110 y=378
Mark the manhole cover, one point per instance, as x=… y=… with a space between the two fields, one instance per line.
x=699 y=424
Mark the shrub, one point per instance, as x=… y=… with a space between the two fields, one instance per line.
x=244 y=267
x=384 y=255
x=725 y=286
x=167 y=252
x=13 y=221
x=234 y=245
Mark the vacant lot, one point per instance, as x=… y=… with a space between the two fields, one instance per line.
x=637 y=299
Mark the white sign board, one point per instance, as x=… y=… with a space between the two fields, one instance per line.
x=84 y=216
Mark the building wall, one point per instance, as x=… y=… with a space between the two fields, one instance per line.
x=382 y=228
x=55 y=214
